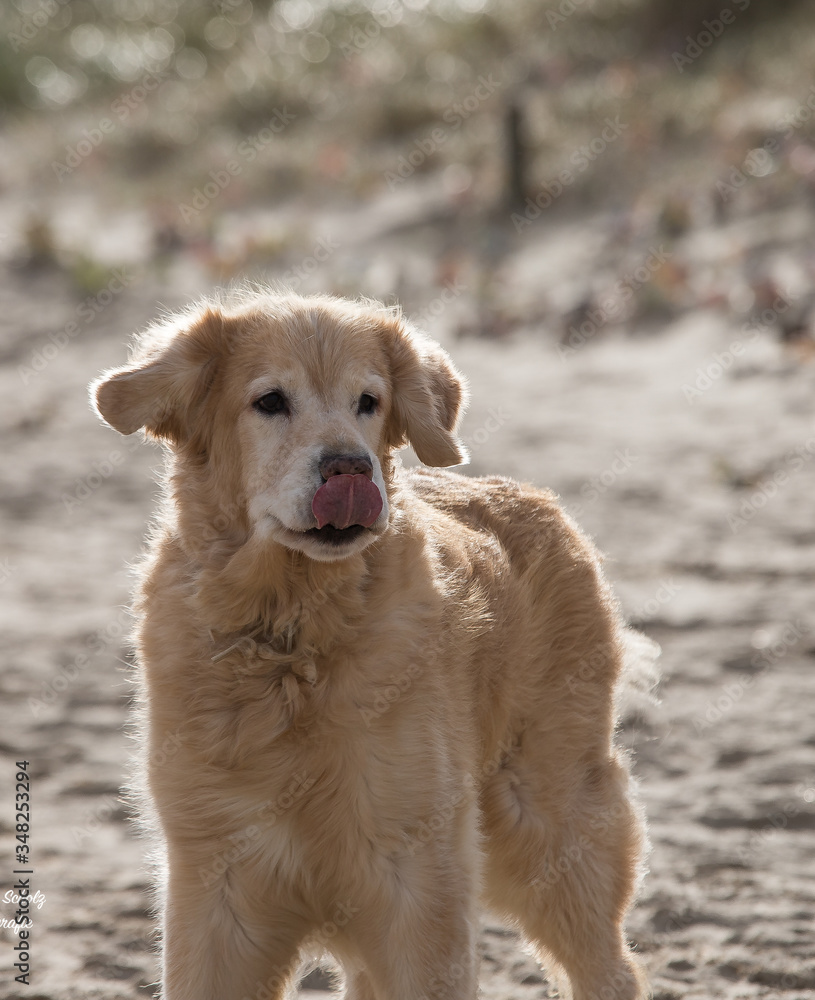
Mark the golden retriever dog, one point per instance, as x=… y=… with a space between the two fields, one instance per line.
x=372 y=699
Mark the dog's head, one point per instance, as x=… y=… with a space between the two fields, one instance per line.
x=284 y=410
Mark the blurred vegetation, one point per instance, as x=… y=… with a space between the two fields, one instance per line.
x=329 y=99
x=382 y=69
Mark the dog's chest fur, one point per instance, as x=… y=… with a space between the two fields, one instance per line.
x=282 y=745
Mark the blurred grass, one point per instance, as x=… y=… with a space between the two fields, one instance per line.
x=383 y=69
x=183 y=84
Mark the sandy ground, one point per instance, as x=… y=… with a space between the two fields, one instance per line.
x=701 y=502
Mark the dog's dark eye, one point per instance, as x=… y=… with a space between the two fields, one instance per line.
x=367 y=403
x=272 y=402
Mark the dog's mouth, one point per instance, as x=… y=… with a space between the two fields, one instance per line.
x=330 y=535
x=345 y=512
x=346 y=501
x=345 y=506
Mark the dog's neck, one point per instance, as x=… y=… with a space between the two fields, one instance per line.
x=281 y=595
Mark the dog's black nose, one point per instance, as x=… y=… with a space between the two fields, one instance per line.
x=345 y=465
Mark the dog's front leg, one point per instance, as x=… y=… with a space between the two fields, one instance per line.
x=220 y=944
x=420 y=946
x=412 y=967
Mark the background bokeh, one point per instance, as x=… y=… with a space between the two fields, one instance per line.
x=605 y=212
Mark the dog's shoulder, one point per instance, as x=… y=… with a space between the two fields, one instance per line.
x=523 y=518
x=456 y=492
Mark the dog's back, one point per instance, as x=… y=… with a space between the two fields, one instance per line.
x=563 y=840
x=539 y=539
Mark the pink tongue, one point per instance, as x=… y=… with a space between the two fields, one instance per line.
x=346 y=500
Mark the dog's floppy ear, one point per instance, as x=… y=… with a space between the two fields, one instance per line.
x=164 y=390
x=429 y=396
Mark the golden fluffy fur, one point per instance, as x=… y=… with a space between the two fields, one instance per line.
x=350 y=742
